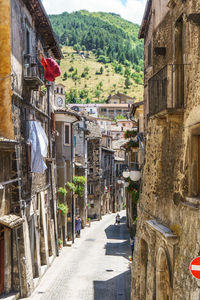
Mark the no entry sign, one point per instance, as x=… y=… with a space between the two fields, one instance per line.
x=195 y=267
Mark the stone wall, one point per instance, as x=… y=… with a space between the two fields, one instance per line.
x=94 y=200
x=167 y=236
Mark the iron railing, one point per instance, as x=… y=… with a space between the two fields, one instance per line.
x=166 y=89
x=33 y=67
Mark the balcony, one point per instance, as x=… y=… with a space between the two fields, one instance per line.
x=33 y=71
x=166 y=89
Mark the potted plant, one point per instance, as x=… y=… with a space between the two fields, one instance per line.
x=60 y=242
x=62 y=208
x=43 y=90
x=88 y=221
x=62 y=191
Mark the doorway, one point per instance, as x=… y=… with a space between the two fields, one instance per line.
x=1 y=259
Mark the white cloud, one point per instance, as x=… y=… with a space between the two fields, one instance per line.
x=133 y=9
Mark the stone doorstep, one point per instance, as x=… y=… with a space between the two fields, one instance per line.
x=10 y=296
x=69 y=243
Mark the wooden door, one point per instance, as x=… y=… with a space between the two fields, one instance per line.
x=1 y=260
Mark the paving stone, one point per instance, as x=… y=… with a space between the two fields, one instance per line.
x=96 y=267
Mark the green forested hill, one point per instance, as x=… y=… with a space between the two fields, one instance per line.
x=108 y=35
x=102 y=55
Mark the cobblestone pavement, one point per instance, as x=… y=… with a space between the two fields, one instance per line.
x=96 y=267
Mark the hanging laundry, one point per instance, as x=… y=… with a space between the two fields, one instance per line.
x=39 y=145
x=52 y=69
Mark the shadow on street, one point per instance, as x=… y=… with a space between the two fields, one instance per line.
x=115 y=288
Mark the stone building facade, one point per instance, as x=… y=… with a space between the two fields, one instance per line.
x=65 y=120
x=94 y=170
x=27 y=198
x=107 y=166
x=167 y=236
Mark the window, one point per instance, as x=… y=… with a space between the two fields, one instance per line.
x=91 y=111
x=179 y=62
x=91 y=188
x=61 y=90
x=90 y=170
x=57 y=90
x=67 y=134
x=103 y=110
x=27 y=41
x=150 y=54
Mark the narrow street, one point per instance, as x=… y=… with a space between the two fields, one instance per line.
x=96 y=267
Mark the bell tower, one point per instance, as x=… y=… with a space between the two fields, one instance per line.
x=59 y=95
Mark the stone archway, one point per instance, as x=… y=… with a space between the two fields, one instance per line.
x=163 y=276
x=143 y=271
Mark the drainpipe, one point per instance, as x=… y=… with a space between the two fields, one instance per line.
x=85 y=168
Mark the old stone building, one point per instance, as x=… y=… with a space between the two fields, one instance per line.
x=120 y=98
x=94 y=170
x=65 y=120
x=107 y=166
x=168 y=224
x=27 y=149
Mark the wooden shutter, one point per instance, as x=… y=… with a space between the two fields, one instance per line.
x=67 y=133
x=53 y=124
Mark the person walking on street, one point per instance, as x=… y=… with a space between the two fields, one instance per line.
x=117 y=219
x=78 y=226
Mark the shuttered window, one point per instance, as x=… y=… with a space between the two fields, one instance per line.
x=53 y=124
x=67 y=134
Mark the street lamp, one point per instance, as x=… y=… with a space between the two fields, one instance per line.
x=119 y=181
x=135 y=175
x=126 y=174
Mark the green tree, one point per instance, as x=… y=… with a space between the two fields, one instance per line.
x=77 y=48
x=97 y=94
x=65 y=76
x=127 y=72
x=71 y=69
x=72 y=96
x=101 y=70
x=127 y=82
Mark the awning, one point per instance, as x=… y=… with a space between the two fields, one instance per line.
x=11 y=221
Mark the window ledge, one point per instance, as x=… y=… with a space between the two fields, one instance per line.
x=192 y=202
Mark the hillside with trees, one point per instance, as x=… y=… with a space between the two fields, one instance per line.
x=102 y=55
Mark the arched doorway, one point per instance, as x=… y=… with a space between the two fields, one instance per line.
x=143 y=272
x=162 y=276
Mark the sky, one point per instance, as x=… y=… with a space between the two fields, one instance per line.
x=131 y=10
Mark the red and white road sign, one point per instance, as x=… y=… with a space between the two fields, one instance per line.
x=195 y=267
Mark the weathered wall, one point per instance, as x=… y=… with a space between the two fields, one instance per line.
x=94 y=200
x=6 y=124
x=170 y=176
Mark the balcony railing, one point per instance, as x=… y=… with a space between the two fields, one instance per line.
x=166 y=89
x=33 y=70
